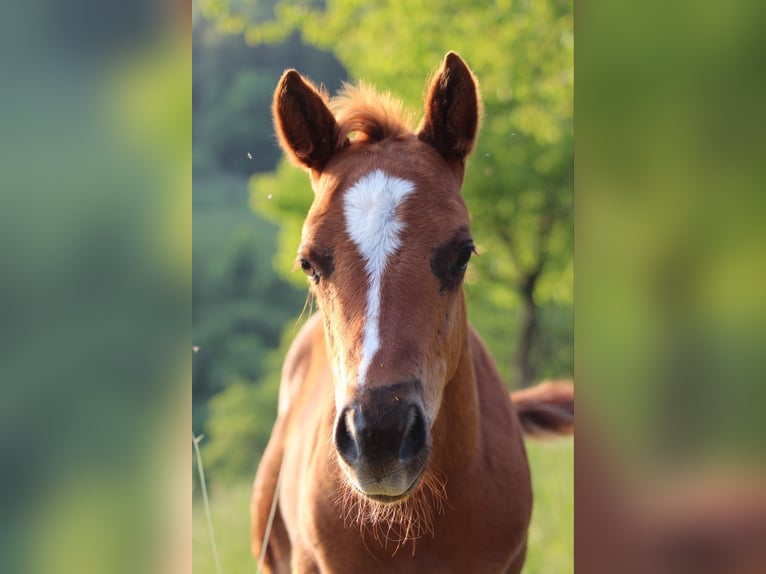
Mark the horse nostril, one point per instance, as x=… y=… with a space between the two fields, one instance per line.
x=344 y=438
x=414 y=435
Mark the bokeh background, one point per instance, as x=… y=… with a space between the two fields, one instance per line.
x=249 y=205
x=670 y=285
x=95 y=272
x=95 y=254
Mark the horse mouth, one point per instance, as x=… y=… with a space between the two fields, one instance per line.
x=385 y=499
x=391 y=498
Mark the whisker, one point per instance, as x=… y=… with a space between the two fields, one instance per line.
x=309 y=302
x=398 y=523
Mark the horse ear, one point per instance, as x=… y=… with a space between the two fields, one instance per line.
x=305 y=126
x=452 y=110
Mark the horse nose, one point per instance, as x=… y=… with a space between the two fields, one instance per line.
x=378 y=436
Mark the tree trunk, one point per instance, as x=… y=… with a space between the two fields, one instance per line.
x=523 y=368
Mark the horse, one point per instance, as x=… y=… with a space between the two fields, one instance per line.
x=396 y=446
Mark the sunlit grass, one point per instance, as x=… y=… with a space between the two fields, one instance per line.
x=551 y=536
x=230 y=509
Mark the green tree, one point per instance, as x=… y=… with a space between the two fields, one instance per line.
x=231 y=94
x=520 y=179
x=239 y=427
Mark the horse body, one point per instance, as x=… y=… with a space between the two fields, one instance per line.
x=396 y=447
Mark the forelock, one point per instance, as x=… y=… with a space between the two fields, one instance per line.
x=367 y=115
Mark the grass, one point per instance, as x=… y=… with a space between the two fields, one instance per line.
x=551 y=535
x=230 y=509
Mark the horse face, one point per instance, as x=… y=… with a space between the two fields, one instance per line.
x=386 y=254
x=385 y=246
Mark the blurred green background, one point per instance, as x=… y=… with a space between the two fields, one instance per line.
x=249 y=205
x=95 y=253
x=95 y=213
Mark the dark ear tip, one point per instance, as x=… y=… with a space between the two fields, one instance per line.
x=453 y=60
x=291 y=78
x=452 y=57
x=291 y=74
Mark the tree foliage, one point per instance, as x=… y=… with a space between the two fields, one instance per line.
x=231 y=92
x=239 y=304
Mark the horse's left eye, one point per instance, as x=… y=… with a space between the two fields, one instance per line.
x=463 y=257
x=450 y=261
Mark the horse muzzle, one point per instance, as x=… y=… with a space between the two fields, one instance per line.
x=383 y=441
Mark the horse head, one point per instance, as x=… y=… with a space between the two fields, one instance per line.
x=385 y=248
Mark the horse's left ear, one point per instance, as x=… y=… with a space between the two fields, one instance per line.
x=452 y=110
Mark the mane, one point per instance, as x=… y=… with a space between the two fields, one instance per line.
x=367 y=115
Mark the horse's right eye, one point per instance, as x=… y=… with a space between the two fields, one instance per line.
x=309 y=270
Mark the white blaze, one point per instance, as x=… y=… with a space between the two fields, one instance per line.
x=370 y=207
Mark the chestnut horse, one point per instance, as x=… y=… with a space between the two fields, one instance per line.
x=394 y=427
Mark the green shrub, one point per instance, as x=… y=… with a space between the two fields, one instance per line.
x=238 y=429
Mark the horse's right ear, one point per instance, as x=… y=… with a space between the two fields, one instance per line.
x=305 y=126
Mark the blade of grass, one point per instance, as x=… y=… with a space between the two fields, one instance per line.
x=201 y=471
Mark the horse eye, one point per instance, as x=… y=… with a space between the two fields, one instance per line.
x=463 y=257
x=309 y=270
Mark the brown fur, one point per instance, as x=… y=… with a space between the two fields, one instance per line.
x=469 y=511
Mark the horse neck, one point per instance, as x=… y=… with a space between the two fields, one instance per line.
x=456 y=430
